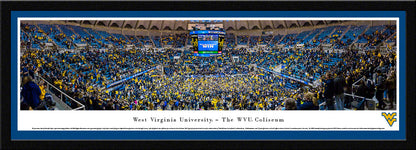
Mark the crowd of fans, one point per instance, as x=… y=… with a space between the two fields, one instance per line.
x=376 y=35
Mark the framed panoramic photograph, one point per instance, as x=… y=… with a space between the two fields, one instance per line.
x=207 y=75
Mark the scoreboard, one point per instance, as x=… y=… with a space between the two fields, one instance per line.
x=206 y=42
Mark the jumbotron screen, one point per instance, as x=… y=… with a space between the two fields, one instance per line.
x=207 y=41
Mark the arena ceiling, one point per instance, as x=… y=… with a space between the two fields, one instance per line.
x=182 y=24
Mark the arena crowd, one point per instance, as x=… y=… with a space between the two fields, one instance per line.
x=206 y=83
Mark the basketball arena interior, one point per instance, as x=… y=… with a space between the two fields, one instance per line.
x=226 y=65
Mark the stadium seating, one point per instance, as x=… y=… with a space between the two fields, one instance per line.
x=301 y=36
x=59 y=38
x=242 y=40
x=351 y=35
x=105 y=36
x=65 y=29
x=145 y=39
x=308 y=40
x=264 y=40
x=156 y=40
x=323 y=35
x=275 y=39
x=367 y=35
x=189 y=40
x=135 y=41
x=83 y=36
x=393 y=39
x=120 y=40
x=180 y=40
x=230 y=40
x=289 y=39
x=339 y=30
x=30 y=32
x=167 y=39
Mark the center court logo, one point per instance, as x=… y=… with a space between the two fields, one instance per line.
x=389 y=117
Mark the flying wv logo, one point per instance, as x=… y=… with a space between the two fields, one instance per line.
x=389 y=117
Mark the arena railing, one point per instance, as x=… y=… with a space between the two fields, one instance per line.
x=129 y=77
x=361 y=103
x=286 y=76
x=62 y=94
